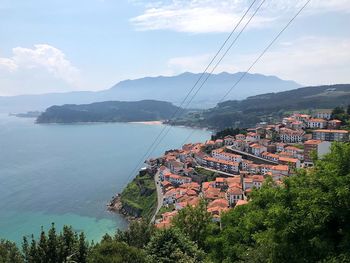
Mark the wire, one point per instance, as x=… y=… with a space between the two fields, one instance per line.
x=208 y=76
x=150 y=149
x=259 y=57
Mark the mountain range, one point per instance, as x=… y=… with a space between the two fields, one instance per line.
x=172 y=89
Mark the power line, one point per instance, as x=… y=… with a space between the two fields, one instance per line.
x=208 y=75
x=150 y=149
x=258 y=58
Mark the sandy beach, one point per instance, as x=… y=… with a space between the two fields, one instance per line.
x=148 y=122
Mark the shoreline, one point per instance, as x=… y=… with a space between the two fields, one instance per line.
x=147 y=122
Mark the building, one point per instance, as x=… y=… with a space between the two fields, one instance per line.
x=317 y=146
x=334 y=124
x=325 y=114
x=257 y=149
x=316 y=123
x=331 y=135
x=291 y=136
x=222 y=155
x=234 y=194
x=252 y=137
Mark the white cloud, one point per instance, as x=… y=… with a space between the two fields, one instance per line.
x=42 y=57
x=309 y=61
x=203 y=16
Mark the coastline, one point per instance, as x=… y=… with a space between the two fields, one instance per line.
x=147 y=122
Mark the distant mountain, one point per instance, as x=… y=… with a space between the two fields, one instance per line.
x=268 y=106
x=109 y=111
x=172 y=89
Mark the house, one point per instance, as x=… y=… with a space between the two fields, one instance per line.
x=178 y=179
x=316 y=123
x=334 y=124
x=291 y=162
x=319 y=147
x=228 y=140
x=291 y=136
x=222 y=155
x=216 y=207
x=257 y=149
x=296 y=152
x=258 y=181
x=222 y=165
x=325 y=114
x=213 y=193
x=175 y=166
x=252 y=137
x=240 y=137
x=331 y=135
x=280 y=146
x=280 y=169
x=234 y=194
x=270 y=156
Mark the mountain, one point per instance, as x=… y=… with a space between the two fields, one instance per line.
x=269 y=106
x=172 y=89
x=109 y=111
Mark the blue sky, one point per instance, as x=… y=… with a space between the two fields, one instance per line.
x=60 y=45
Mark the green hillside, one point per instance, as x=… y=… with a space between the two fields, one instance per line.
x=109 y=111
x=268 y=106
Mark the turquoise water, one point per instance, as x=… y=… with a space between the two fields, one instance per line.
x=67 y=173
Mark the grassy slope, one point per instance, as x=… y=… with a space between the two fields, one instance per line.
x=141 y=195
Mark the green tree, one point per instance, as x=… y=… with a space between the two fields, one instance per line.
x=9 y=253
x=306 y=220
x=112 y=251
x=170 y=245
x=195 y=223
x=138 y=234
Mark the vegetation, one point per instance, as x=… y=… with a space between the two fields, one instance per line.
x=228 y=131
x=268 y=107
x=305 y=220
x=109 y=111
x=342 y=114
x=139 y=198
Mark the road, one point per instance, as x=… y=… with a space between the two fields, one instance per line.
x=159 y=196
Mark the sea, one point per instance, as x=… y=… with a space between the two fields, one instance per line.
x=66 y=173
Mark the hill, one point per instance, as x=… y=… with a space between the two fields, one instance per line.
x=268 y=106
x=172 y=89
x=109 y=111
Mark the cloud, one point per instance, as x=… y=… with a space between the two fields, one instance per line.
x=208 y=16
x=42 y=57
x=309 y=61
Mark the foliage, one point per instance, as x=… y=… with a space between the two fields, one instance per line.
x=109 y=111
x=304 y=221
x=9 y=252
x=228 y=131
x=55 y=248
x=110 y=250
x=140 y=196
x=269 y=107
x=339 y=113
x=169 y=245
x=137 y=235
x=195 y=222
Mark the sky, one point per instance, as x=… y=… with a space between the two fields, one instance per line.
x=63 y=45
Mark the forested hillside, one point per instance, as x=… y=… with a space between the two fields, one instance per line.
x=109 y=111
x=268 y=106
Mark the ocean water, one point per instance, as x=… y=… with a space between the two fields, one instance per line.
x=67 y=173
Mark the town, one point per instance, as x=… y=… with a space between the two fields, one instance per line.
x=223 y=172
